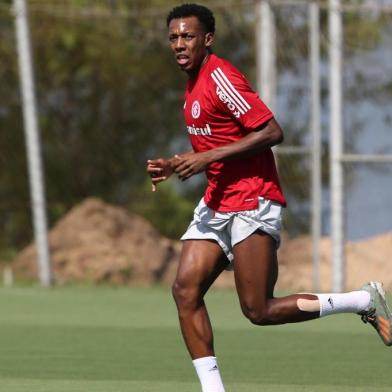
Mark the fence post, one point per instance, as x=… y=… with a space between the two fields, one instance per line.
x=336 y=145
x=33 y=147
x=266 y=53
x=314 y=40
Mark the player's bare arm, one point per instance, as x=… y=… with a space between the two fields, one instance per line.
x=268 y=135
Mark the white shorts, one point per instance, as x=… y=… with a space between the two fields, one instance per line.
x=230 y=228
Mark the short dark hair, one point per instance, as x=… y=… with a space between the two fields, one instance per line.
x=202 y=13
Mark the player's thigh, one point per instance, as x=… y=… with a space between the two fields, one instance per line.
x=201 y=262
x=255 y=269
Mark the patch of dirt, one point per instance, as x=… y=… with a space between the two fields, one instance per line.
x=368 y=259
x=97 y=242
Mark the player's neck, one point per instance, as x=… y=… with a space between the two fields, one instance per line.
x=193 y=75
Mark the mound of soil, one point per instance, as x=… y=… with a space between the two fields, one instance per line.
x=97 y=242
x=365 y=260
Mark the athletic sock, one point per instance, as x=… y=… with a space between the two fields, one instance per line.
x=209 y=375
x=352 y=302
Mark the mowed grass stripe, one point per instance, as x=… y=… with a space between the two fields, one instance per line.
x=33 y=385
x=12 y=385
x=102 y=306
x=93 y=353
x=150 y=354
x=137 y=307
x=157 y=354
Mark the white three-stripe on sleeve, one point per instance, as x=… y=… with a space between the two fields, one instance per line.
x=230 y=91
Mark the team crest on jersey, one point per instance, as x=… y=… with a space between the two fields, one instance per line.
x=196 y=109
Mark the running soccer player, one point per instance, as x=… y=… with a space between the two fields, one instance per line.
x=236 y=225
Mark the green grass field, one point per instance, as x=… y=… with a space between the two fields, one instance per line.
x=122 y=340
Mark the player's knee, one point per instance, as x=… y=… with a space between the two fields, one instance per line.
x=178 y=292
x=257 y=316
x=184 y=295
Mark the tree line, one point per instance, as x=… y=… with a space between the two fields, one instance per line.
x=110 y=97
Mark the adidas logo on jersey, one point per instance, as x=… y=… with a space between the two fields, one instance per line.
x=192 y=130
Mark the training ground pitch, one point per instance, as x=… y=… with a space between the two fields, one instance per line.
x=122 y=340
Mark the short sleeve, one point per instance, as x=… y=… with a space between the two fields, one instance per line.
x=234 y=96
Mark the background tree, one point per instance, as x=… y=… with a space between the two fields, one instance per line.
x=110 y=97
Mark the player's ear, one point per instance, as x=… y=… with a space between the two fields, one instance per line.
x=208 y=39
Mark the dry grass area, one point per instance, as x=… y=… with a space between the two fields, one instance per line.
x=97 y=242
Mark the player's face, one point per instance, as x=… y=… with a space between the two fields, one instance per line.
x=189 y=42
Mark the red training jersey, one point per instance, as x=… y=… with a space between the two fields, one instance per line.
x=221 y=108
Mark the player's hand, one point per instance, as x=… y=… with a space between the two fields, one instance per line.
x=159 y=170
x=189 y=164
